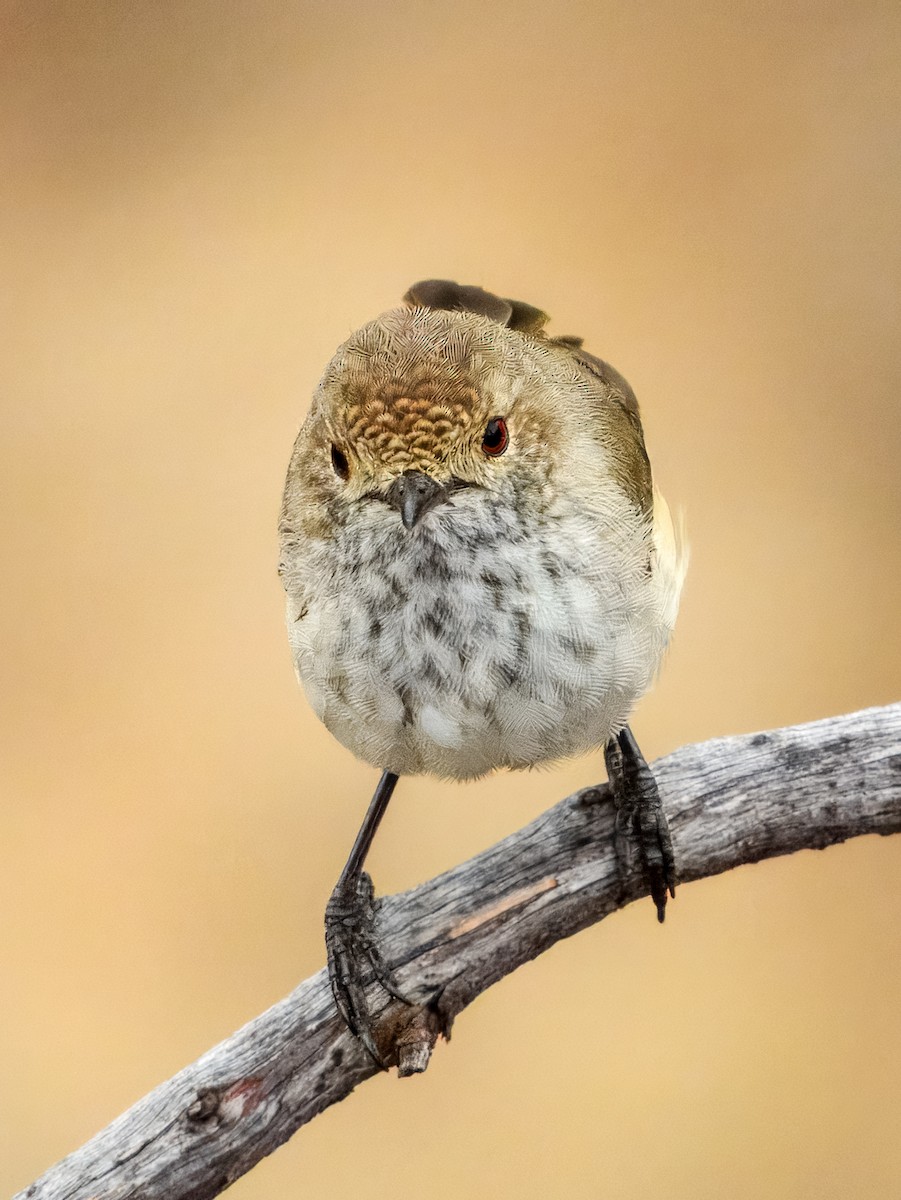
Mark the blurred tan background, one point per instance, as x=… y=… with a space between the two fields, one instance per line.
x=200 y=201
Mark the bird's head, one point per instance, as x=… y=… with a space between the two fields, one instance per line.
x=456 y=410
x=419 y=409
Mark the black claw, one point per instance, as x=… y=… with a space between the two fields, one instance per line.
x=641 y=817
x=352 y=943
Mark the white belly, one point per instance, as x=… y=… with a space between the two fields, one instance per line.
x=450 y=652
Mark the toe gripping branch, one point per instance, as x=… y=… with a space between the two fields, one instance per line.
x=640 y=815
x=355 y=960
x=352 y=944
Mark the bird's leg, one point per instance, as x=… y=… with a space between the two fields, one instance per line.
x=640 y=815
x=350 y=935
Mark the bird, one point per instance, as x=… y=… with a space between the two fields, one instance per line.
x=479 y=573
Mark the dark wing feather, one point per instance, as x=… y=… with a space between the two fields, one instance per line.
x=460 y=297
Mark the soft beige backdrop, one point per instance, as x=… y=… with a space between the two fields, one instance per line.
x=200 y=200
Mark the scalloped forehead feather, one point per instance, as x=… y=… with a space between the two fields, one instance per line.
x=404 y=390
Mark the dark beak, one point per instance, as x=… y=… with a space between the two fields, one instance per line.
x=413 y=494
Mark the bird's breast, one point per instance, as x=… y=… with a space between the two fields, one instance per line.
x=458 y=648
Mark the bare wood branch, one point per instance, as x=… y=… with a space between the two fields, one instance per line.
x=731 y=801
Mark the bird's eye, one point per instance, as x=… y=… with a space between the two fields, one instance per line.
x=494 y=441
x=340 y=463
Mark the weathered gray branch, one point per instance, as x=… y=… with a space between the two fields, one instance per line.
x=731 y=801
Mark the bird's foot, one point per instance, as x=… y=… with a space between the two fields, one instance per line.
x=640 y=818
x=352 y=943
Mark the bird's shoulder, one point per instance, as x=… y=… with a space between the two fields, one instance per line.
x=613 y=398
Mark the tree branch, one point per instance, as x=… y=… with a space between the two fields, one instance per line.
x=731 y=801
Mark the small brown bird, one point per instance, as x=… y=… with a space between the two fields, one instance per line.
x=479 y=572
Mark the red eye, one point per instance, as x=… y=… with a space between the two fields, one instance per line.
x=495 y=438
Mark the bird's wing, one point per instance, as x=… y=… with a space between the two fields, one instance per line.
x=620 y=418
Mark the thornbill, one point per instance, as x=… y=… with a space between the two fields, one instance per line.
x=479 y=571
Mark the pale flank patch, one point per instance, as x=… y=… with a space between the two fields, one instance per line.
x=672 y=558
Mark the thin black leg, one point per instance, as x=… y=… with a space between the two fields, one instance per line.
x=640 y=814
x=371 y=822
x=350 y=937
